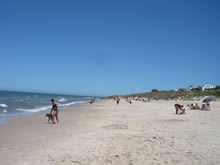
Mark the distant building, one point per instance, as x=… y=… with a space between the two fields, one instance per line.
x=191 y=87
x=207 y=86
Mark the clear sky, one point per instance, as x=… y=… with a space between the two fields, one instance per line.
x=109 y=46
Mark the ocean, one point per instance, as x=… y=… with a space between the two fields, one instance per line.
x=14 y=104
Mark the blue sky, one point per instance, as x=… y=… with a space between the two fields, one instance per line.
x=108 y=47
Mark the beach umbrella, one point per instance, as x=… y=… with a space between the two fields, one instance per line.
x=208 y=99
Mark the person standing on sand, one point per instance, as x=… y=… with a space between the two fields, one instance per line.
x=54 y=111
x=118 y=100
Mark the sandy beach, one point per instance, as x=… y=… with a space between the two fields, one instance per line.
x=106 y=133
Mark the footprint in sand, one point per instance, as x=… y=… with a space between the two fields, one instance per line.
x=115 y=126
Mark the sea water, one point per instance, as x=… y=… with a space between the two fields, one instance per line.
x=14 y=104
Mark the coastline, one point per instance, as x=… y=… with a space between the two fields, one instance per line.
x=4 y=118
x=104 y=133
x=21 y=133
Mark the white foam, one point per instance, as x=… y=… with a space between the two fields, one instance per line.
x=38 y=109
x=3 y=105
x=27 y=98
x=34 y=109
x=72 y=103
x=62 y=99
x=21 y=100
x=5 y=111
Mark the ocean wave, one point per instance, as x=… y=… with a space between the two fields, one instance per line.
x=38 y=109
x=62 y=99
x=27 y=98
x=71 y=103
x=3 y=105
x=4 y=111
x=87 y=98
x=21 y=100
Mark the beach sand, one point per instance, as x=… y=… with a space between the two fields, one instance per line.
x=104 y=133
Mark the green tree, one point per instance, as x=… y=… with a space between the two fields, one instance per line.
x=154 y=90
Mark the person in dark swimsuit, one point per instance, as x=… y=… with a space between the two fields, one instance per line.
x=54 y=111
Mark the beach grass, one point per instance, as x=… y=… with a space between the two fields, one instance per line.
x=169 y=95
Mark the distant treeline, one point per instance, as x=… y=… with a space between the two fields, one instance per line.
x=185 y=95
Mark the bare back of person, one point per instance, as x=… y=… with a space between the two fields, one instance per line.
x=54 y=111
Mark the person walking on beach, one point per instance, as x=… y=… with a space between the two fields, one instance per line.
x=118 y=100
x=54 y=111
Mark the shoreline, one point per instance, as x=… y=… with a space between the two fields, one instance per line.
x=106 y=133
x=5 y=119
x=23 y=131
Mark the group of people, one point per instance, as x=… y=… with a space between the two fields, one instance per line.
x=181 y=110
x=205 y=106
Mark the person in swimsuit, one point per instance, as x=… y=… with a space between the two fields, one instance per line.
x=54 y=111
